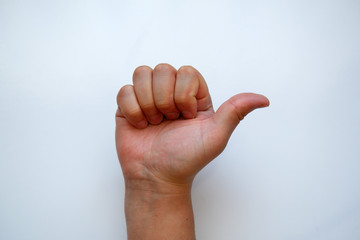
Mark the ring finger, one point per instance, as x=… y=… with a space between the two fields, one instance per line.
x=142 y=80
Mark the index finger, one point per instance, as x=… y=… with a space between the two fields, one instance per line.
x=191 y=92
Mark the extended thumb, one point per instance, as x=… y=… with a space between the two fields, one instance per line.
x=236 y=108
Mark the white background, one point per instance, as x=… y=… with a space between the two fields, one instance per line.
x=290 y=171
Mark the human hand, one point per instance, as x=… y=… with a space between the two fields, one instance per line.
x=166 y=128
x=167 y=131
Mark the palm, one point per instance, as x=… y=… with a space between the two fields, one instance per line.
x=173 y=150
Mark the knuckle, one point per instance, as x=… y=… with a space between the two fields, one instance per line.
x=188 y=70
x=141 y=71
x=164 y=105
x=164 y=67
x=134 y=114
x=182 y=99
x=124 y=91
x=148 y=108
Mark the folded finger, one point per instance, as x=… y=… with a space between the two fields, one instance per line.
x=142 y=80
x=191 y=92
x=130 y=108
x=164 y=76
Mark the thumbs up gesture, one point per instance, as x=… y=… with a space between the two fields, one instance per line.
x=167 y=129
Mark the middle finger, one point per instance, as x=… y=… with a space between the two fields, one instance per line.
x=164 y=77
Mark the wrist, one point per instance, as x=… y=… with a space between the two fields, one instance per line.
x=158 y=210
x=158 y=186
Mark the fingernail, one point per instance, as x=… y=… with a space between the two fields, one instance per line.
x=172 y=115
x=187 y=115
x=142 y=124
x=156 y=119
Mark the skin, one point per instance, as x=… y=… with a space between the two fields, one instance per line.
x=166 y=132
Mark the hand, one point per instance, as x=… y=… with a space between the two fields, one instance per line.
x=166 y=128
x=167 y=131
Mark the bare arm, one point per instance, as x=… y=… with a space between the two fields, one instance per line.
x=166 y=132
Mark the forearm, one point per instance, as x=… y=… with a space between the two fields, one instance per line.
x=153 y=214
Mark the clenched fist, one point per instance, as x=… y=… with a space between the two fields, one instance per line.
x=166 y=128
x=166 y=132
